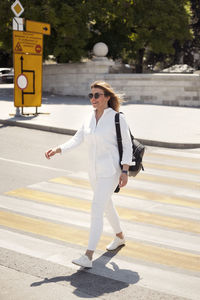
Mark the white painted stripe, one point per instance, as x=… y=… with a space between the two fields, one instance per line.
x=164 y=173
x=170 y=163
x=33 y=165
x=173 y=152
x=61 y=189
x=123 y=201
x=172 y=174
x=149 y=233
x=44 y=211
x=164 y=189
x=159 y=279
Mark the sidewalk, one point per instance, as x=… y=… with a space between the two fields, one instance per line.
x=154 y=125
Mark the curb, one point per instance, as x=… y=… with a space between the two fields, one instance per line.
x=72 y=132
x=38 y=127
x=169 y=144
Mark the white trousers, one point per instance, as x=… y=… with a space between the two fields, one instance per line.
x=103 y=188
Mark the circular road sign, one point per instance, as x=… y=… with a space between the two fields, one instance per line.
x=22 y=81
x=38 y=48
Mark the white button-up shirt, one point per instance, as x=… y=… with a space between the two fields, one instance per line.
x=102 y=143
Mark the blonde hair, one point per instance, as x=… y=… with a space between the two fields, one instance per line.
x=115 y=99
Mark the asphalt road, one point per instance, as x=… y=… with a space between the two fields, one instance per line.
x=22 y=157
x=44 y=224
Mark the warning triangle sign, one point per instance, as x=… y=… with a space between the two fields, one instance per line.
x=18 y=47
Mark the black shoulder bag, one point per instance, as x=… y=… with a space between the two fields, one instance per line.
x=138 y=151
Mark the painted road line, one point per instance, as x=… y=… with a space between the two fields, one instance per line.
x=83 y=183
x=119 y=200
x=164 y=189
x=142 y=232
x=54 y=199
x=174 y=156
x=167 y=180
x=167 y=167
x=63 y=189
x=175 y=163
x=125 y=213
x=161 y=197
x=182 y=284
x=174 y=152
x=135 y=193
x=33 y=165
x=170 y=174
x=142 y=251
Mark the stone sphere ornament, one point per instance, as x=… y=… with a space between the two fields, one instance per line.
x=100 y=49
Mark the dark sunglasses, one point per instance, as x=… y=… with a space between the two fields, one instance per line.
x=95 y=95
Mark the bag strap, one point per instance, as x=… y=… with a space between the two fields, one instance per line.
x=119 y=137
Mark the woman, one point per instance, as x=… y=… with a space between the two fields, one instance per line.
x=99 y=132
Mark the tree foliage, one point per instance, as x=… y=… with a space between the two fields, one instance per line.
x=5 y=33
x=69 y=30
x=195 y=20
x=192 y=47
x=130 y=28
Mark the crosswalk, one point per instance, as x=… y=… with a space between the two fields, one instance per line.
x=159 y=212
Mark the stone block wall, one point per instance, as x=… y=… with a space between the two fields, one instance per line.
x=161 y=89
x=73 y=79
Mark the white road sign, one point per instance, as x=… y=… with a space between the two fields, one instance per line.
x=17 y=8
x=18 y=24
x=22 y=81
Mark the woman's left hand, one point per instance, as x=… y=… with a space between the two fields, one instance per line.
x=123 y=179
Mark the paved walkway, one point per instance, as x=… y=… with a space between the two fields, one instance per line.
x=154 y=125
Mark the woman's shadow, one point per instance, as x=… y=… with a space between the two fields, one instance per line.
x=87 y=283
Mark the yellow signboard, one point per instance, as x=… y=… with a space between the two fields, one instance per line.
x=28 y=80
x=39 y=27
x=28 y=50
x=27 y=42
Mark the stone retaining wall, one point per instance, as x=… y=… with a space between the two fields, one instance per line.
x=161 y=89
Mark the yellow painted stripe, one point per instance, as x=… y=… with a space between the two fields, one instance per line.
x=82 y=183
x=147 y=195
x=159 y=220
x=125 y=213
x=73 y=235
x=168 y=180
x=171 y=168
x=141 y=194
x=51 y=198
x=172 y=157
x=169 y=199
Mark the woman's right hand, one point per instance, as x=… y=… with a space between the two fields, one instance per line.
x=52 y=152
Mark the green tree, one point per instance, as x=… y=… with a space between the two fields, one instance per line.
x=69 y=30
x=193 y=46
x=130 y=28
x=109 y=23
x=159 y=25
x=6 y=33
x=195 y=20
x=69 y=27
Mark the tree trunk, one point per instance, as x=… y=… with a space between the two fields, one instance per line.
x=178 y=55
x=139 y=61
